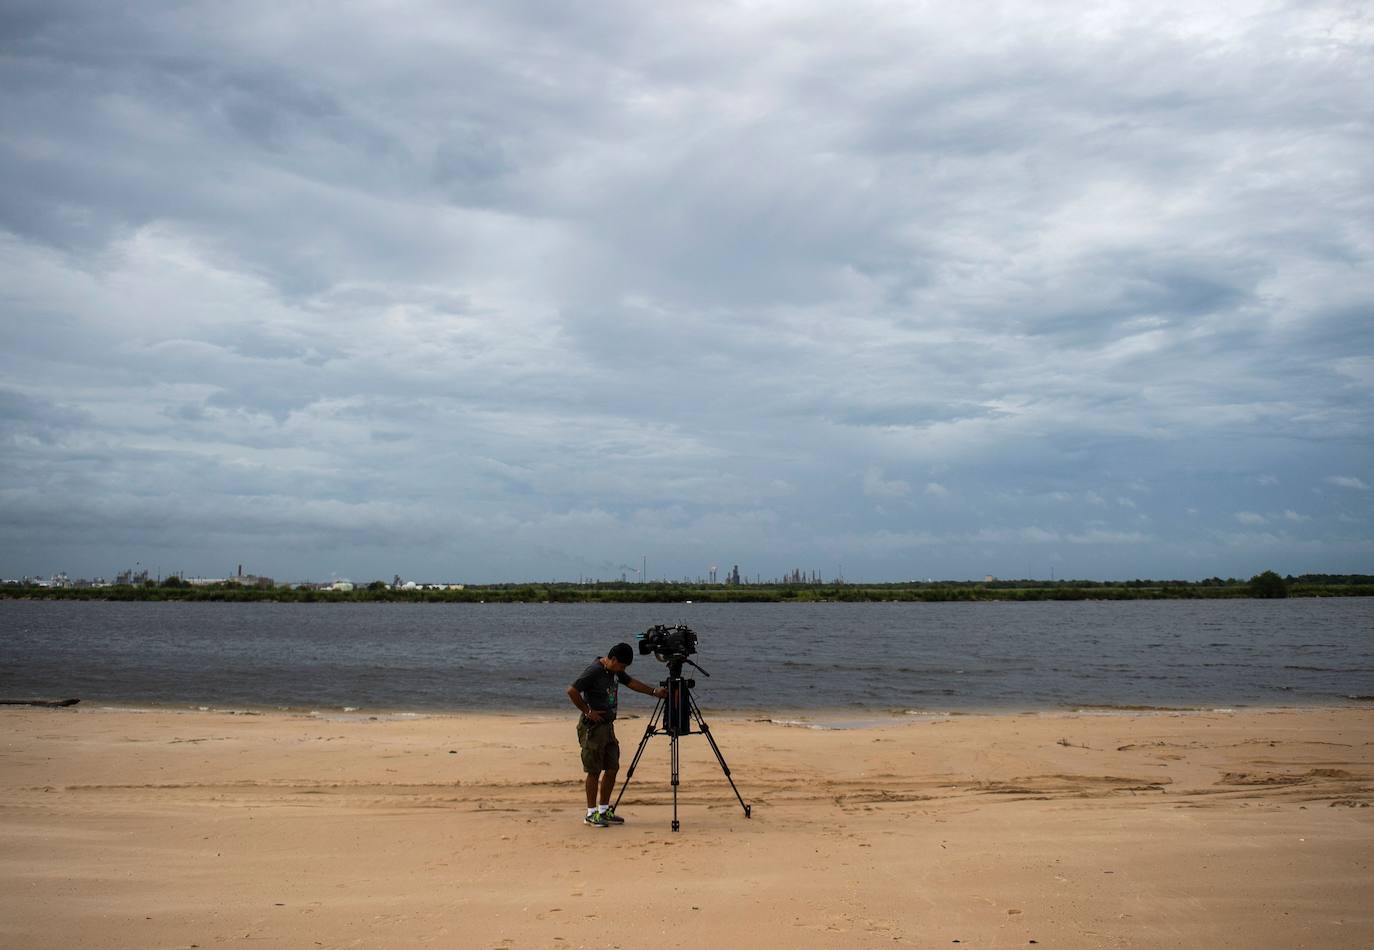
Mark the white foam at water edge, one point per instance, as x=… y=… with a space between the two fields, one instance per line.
x=798 y=723
x=355 y=714
x=119 y=709
x=830 y=725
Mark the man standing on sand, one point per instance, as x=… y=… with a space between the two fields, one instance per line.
x=595 y=693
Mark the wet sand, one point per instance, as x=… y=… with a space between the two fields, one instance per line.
x=141 y=829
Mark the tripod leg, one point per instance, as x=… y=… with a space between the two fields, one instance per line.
x=706 y=730
x=672 y=743
x=648 y=734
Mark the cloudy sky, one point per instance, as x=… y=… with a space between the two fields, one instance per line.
x=539 y=290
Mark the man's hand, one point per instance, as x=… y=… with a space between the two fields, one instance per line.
x=660 y=692
x=576 y=697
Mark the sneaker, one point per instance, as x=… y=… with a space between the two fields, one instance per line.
x=596 y=820
x=612 y=818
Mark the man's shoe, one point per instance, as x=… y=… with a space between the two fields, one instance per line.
x=596 y=820
x=612 y=818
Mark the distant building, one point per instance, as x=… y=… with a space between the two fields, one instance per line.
x=250 y=580
x=253 y=580
x=240 y=579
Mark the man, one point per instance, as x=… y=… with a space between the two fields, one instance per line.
x=595 y=694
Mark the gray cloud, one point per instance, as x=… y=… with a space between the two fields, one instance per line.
x=475 y=294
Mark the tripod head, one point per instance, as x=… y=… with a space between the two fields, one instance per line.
x=675 y=663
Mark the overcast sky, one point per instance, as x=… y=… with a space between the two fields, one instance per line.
x=538 y=290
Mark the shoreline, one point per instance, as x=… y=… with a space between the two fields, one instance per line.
x=823 y=717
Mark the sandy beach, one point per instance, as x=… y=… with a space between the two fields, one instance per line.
x=197 y=829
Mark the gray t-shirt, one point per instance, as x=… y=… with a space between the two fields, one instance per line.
x=600 y=688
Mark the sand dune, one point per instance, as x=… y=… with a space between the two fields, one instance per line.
x=181 y=829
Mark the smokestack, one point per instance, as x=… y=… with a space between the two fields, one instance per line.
x=240 y=570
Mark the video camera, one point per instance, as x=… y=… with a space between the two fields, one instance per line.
x=667 y=643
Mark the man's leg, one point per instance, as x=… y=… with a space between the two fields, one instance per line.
x=607 y=786
x=592 y=781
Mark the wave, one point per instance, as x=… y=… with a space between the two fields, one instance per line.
x=1332 y=669
x=1122 y=707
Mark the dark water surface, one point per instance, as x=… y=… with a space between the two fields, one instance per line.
x=860 y=657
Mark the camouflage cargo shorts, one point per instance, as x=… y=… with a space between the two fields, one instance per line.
x=600 y=748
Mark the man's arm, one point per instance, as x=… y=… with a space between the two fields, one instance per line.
x=576 y=696
x=658 y=692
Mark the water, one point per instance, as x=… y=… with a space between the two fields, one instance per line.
x=863 y=658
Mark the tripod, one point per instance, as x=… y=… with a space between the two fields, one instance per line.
x=673 y=717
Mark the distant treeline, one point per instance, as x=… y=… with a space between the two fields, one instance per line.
x=1267 y=584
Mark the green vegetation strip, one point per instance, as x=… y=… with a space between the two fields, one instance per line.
x=1268 y=584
